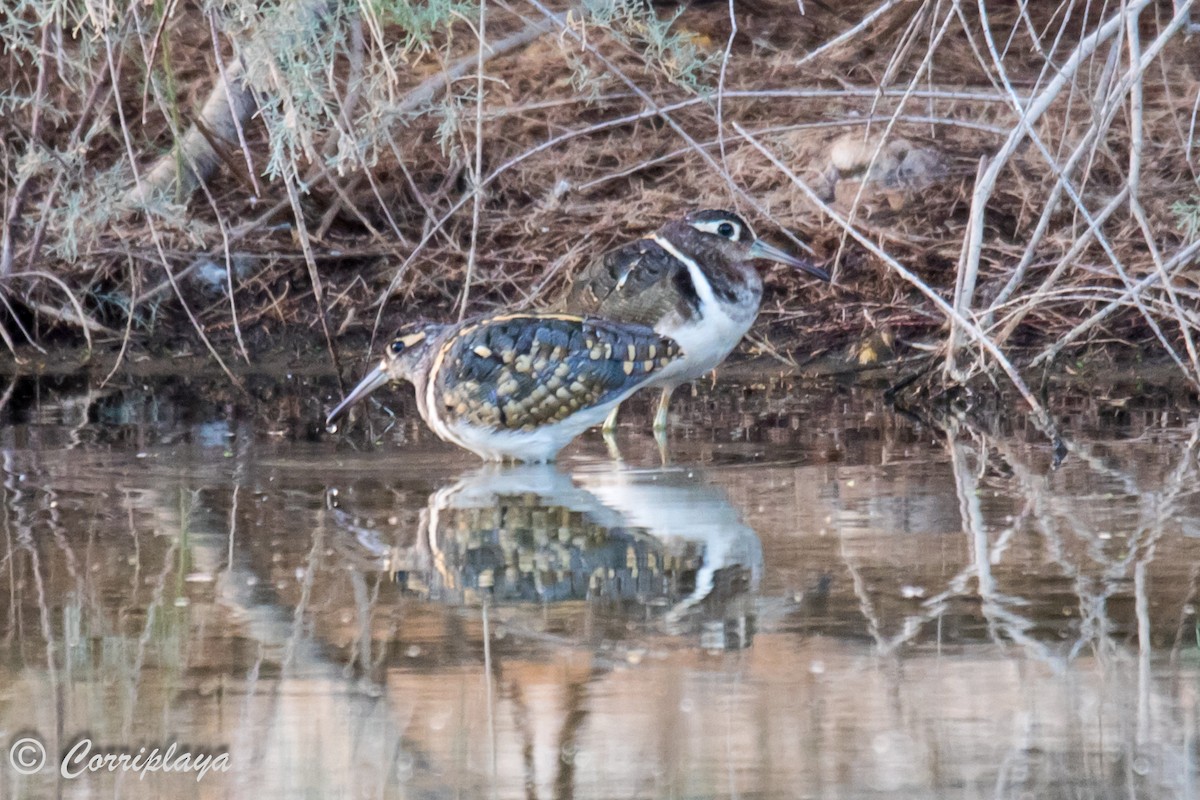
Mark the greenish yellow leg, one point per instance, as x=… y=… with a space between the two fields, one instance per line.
x=610 y=422
x=660 y=439
x=614 y=451
x=608 y=431
x=660 y=418
x=660 y=424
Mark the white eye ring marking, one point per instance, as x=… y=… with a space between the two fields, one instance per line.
x=714 y=227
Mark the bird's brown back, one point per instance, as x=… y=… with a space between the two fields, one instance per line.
x=639 y=282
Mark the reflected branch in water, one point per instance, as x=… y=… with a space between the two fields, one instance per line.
x=997 y=608
x=575 y=714
x=986 y=465
x=180 y=571
x=489 y=679
x=1107 y=569
x=299 y=633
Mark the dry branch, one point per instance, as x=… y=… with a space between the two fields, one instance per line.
x=193 y=158
x=222 y=119
x=1040 y=416
x=986 y=185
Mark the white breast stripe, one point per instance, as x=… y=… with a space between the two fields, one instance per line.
x=433 y=410
x=708 y=300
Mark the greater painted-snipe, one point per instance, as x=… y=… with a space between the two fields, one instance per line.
x=518 y=386
x=692 y=280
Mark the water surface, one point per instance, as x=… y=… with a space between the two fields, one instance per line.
x=817 y=598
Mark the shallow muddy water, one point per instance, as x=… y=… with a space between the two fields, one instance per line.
x=818 y=598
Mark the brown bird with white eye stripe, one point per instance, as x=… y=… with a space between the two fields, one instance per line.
x=518 y=386
x=692 y=280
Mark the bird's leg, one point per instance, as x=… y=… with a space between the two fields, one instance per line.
x=610 y=422
x=660 y=418
x=614 y=451
x=660 y=439
x=660 y=424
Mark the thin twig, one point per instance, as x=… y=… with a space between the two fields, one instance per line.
x=1180 y=261
x=973 y=241
x=232 y=103
x=290 y=180
x=17 y=202
x=733 y=30
x=477 y=171
x=671 y=122
x=135 y=281
x=1136 y=144
x=1040 y=416
x=85 y=323
x=229 y=271
x=154 y=233
x=849 y=34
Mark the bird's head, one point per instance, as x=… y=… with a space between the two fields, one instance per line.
x=402 y=357
x=718 y=233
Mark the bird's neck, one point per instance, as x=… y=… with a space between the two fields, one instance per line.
x=733 y=286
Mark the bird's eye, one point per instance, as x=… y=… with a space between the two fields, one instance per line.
x=727 y=229
x=397 y=347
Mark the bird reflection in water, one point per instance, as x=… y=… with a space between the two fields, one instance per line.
x=662 y=544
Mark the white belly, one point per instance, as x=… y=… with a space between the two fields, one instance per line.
x=705 y=343
x=540 y=444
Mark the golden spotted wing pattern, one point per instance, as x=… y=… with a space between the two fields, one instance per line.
x=521 y=371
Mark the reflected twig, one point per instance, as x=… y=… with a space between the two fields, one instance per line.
x=299 y=635
x=153 y=611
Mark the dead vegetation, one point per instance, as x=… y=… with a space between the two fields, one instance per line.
x=990 y=183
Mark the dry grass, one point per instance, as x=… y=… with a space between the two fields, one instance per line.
x=1031 y=167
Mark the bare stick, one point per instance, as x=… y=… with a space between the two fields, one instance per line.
x=85 y=323
x=429 y=89
x=229 y=270
x=314 y=276
x=83 y=118
x=154 y=234
x=1040 y=416
x=1101 y=122
x=892 y=122
x=1048 y=208
x=973 y=241
x=8 y=235
x=1136 y=144
x=477 y=172
x=846 y=36
x=1182 y=8
x=232 y=102
x=126 y=334
x=1133 y=76
x=674 y=125
x=733 y=30
x=7 y=337
x=1178 y=262
x=1078 y=246
x=228 y=107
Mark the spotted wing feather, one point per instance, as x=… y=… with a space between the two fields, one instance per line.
x=637 y=282
x=518 y=372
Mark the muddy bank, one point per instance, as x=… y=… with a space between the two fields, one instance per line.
x=1003 y=165
x=289 y=394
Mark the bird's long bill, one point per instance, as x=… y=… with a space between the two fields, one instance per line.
x=761 y=249
x=372 y=381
